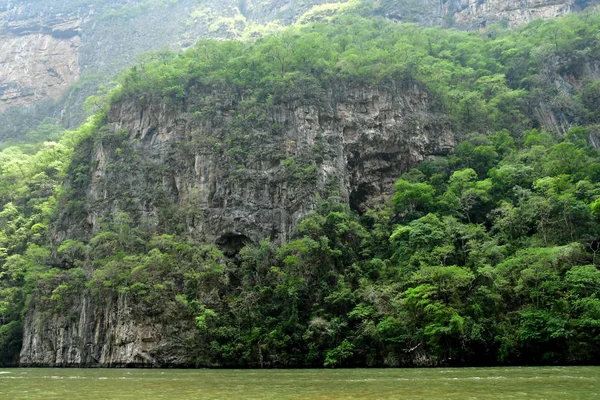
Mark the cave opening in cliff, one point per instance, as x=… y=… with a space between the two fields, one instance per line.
x=231 y=243
x=360 y=196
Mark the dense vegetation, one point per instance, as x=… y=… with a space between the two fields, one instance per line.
x=486 y=82
x=485 y=256
x=488 y=256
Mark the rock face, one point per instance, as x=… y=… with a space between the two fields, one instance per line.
x=37 y=61
x=477 y=14
x=102 y=333
x=45 y=46
x=353 y=144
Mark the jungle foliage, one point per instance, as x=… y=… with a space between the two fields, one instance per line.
x=485 y=82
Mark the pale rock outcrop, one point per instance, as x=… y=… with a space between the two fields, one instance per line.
x=102 y=333
x=38 y=63
x=476 y=14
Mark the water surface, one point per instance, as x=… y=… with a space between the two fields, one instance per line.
x=467 y=383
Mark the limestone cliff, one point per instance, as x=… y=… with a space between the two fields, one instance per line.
x=477 y=14
x=104 y=333
x=156 y=157
x=354 y=144
x=37 y=60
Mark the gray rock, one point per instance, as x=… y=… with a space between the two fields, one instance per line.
x=106 y=333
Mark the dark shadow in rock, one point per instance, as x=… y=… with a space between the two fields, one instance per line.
x=360 y=196
x=231 y=243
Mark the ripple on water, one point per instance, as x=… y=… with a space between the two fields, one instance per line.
x=474 y=378
x=577 y=377
x=360 y=380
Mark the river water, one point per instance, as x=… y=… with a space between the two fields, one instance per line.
x=447 y=384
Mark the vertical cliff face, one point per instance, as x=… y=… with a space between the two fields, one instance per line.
x=105 y=333
x=38 y=60
x=568 y=76
x=47 y=45
x=477 y=14
x=262 y=184
x=226 y=189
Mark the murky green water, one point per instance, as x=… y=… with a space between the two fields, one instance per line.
x=468 y=383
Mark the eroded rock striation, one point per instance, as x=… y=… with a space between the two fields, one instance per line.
x=103 y=333
x=355 y=144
